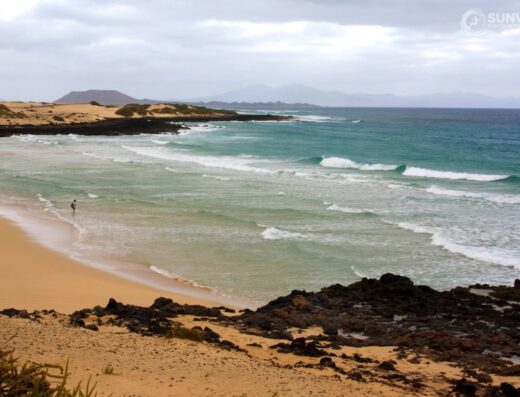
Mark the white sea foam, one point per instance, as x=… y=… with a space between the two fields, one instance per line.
x=217 y=177
x=496 y=198
x=157 y=142
x=313 y=118
x=356 y=121
x=176 y=277
x=25 y=138
x=357 y=272
x=427 y=173
x=273 y=233
x=340 y=162
x=493 y=255
x=195 y=128
x=225 y=162
x=47 y=203
x=93 y=195
x=124 y=160
x=348 y=210
x=33 y=139
x=49 y=207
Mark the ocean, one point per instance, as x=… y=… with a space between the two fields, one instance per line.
x=254 y=210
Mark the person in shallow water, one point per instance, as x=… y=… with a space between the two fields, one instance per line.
x=73 y=205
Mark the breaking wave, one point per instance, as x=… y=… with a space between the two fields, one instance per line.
x=313 y=119
x=496 y=198
x=498 y=256
x=340 y=162
x=273 y=233
x=427 y=173
x=347 y=210
x=225 y=162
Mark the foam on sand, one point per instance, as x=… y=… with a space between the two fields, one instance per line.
x=340 y=162
x=427 y=173
x=498 y=256
x=176 y=277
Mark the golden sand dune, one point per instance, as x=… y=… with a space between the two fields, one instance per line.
x=41 y=113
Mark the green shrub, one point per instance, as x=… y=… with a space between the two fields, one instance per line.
x=131 y=108
x=58 y=118
x=95 y=103
x=165 y=110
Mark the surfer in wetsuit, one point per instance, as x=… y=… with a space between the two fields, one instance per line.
x=73 y=206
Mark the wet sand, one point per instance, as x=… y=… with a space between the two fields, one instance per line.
x=35 y=278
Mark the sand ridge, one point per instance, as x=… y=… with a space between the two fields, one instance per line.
x=43 y=113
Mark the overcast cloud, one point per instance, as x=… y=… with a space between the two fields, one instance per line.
x=181 y=49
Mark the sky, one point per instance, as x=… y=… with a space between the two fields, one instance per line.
x=178 y=49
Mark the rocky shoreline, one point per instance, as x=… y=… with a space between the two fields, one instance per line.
x=129 y=126
x=475 y=328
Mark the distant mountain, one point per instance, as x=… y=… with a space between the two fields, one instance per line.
x=308 y=95
x=105 y=97
x=255 y=105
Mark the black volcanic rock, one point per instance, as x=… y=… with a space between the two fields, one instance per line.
x=455 y=325
x=153 y=320
x=130 y=126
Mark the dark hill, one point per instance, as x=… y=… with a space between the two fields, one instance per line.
x=105 y=97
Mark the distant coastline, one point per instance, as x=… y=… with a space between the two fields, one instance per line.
x=130 y=126
x=18 y=118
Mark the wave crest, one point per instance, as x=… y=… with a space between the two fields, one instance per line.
x=273 y=233
x=496 y=256
x=348 y=210
x=225 y=162
x=341 y=162
x=496 y=198
x=428 y=173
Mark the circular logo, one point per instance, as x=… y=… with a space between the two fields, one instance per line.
x=473 y=21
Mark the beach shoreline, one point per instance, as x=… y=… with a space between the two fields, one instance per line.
x=38 y=272
x=31 y=118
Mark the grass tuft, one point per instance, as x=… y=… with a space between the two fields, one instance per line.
x=185 y=333
x=7 y=112
x=131 y=108
x=36 y=380
x=109 y=370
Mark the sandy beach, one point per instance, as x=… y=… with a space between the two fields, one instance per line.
x=35 y=278
x=236 y=363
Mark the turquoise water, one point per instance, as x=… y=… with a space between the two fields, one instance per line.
x=256 y=209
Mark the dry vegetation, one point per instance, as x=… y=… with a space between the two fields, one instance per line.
x=41 y=113
x=36 y=380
